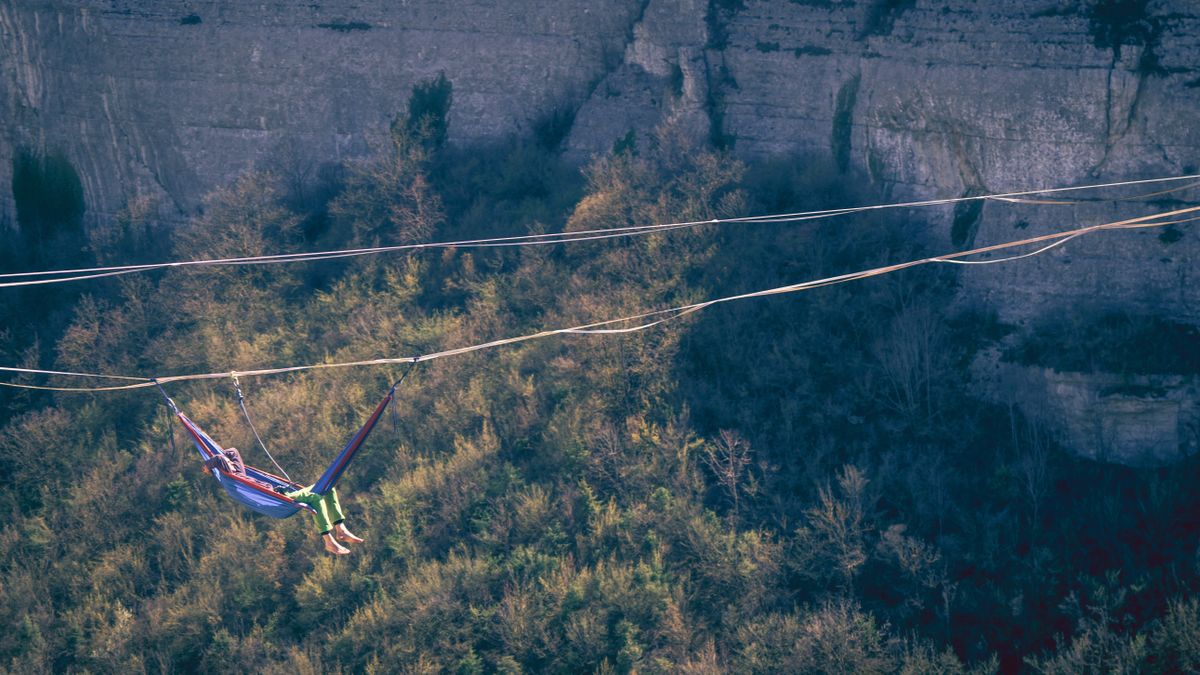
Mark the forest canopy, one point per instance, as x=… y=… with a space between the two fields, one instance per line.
x=798 y=484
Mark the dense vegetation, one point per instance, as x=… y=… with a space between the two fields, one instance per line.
x=797 y=484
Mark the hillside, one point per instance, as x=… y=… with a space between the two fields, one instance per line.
x=797 y=484
x=977 y=468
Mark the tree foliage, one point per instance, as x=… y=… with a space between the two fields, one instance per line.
x=800 y=484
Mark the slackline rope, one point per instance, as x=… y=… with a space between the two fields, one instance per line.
x=649 y=319
x=82 y=273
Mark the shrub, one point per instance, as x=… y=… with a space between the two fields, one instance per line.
x=717 y=17
x=1116 y=23
x=1170 y=234
x=966 y=220
x=843 y=123
x=881 y=15
x=48 y=195
x=552 y=129
x=428 y=108
x=626 y=145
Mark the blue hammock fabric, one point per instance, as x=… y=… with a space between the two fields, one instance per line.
x=339 y=464
x=258 y=497
x=257 y=491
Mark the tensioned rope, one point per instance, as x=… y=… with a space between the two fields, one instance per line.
x=649 y=319
x=1056 y=244
x=83 y=273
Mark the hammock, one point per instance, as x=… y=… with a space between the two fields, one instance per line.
x=262 y=491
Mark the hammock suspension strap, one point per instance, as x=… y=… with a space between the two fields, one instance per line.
x=334 y=472
x=169 y=428
x=246 y=413
x=170 y=403
x=173 y=411
x=397 y=383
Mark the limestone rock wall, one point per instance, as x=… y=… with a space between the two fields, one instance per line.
x=1147 y=420
x=171 y=99
x=946 y=98
x=932 y=98
x=963 y=97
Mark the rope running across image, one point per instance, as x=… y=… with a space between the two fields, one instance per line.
x=43 y=277
x=649 y=319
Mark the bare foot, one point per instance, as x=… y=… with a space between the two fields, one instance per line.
x=335 y=548
x=346 y=535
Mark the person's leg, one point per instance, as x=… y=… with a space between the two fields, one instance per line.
x=334 y=506
x=321 y=516
x=338 y=518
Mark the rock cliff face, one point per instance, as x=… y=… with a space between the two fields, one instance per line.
x=170 y=99
x=950 y=98
x=1143 y=420
x=925 y=97
x=167 y=100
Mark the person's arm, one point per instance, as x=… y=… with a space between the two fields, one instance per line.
x=217 y=462
x=234 y=460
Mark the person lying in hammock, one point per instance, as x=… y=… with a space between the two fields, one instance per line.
x=327 y=511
